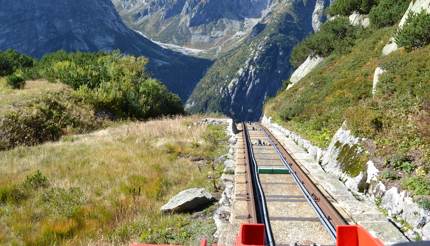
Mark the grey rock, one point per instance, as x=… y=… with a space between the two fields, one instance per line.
x=412 y=213
x=357 y=19
x=372 y=172
x=304 y=69
x=229 y=164
x=232 y=140
x=221 y=159
x=318 y=16
x=390 y=47
x=393 y=201
x=376 y=77
x=188 y=201
x=426 y=232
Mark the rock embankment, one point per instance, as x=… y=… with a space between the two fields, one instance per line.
x=364 y=186
x=222 y=215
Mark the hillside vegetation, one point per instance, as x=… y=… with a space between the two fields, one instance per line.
x=396 y=119
x=86 y=91
x=107 y=187
x=238 y=82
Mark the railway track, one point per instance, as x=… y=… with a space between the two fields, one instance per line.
x=282 y=197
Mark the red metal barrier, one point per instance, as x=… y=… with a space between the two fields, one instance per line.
x=253 y=235
x=355 y=235
x=250 y=234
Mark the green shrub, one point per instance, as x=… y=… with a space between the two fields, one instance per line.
x=336 y=36
x=424 y=202
x=46 y=119
x=11 y=60
x=299 y=54
x=15 y=81
x=416 y=31
x=36 y=181
x=16 y=193
x=389 y=174
x=388 y=12
x=418 y=185
x=363 y=120
x=347 y=7
x=63 y=202
x=112 y=82
x=12 y=194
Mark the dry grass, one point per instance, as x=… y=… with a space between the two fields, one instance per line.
x=107 y=187
x=33 y=89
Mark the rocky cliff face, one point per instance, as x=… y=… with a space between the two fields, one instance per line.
x=210 y=24
x=37 y=27
x=239 y=82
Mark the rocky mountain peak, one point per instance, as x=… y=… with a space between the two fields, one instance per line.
x=193 y=23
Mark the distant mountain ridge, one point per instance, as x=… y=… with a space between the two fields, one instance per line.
x=214 y=25
x=240 y=81
x=37 y=27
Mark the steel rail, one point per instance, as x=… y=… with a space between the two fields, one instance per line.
x=250 y=200
x=328 y=215
x=263 y=214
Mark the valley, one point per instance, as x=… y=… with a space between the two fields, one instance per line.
x=178 y=121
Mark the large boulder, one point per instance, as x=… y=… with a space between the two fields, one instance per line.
x=188 y=201
x=356 y=19
x=376 y=77
x=304 y=69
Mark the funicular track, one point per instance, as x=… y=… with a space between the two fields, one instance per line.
x=292 y=208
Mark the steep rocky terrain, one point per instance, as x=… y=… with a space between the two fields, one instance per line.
x=364 y=113
x=239 y=82
x=213 y=24
x=39 y=27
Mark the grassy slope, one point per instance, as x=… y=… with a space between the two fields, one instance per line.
x=397 y=119
x=10 y=98
x=108 y=186
x=315 y=107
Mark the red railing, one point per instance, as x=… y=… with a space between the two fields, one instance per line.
x=253 y=235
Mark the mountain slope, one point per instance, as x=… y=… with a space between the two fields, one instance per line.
x=78 y=25
x=239 y=82
x=216 y=24
x=365 y=114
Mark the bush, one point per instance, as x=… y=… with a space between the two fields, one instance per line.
x=12 y=194
x=347 y=7
x=45 y=119
x=113 y=83
x=388 y=12
x=11 y=60
x=36 y=181
x=416 y=32
x=419 y=186
x=299 y=54
x=364 y=121
x=15 y=81
x=336 y=36
x=17 y=193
